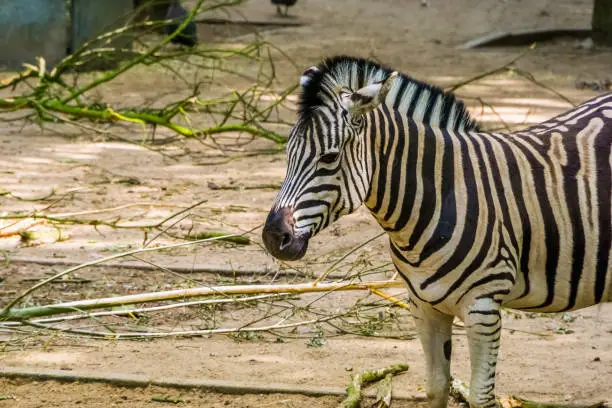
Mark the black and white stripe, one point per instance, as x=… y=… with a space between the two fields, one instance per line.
x=318 y=114
x=476 y=220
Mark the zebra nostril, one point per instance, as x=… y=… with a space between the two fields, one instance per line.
x=286 y=241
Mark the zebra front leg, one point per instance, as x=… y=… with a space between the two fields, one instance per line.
x=435 y=330
x=483 y=329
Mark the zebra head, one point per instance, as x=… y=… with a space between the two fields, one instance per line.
x=326 y=170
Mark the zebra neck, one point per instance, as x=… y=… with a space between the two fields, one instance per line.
x=401 y=156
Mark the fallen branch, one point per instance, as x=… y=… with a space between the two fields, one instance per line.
x=82 y=305
x=137 y=311
x=384 y=391
x=353 y=391
x=50 y=97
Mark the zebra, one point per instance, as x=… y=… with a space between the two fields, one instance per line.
x=476 y=221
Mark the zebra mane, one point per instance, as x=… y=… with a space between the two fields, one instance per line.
x=422 y=102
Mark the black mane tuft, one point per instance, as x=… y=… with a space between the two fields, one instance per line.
x=335 y=69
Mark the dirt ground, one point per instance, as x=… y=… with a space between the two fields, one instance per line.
x=559 y=358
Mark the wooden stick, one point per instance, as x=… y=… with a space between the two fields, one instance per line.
x=390 y=298
x=81 y=305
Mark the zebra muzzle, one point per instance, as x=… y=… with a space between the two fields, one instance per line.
x=279 y=236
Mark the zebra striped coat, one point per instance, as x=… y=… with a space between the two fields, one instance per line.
x=476 y=220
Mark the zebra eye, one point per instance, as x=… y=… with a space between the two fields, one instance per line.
x=329 y=158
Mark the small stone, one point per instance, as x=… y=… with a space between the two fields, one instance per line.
x=586 y=44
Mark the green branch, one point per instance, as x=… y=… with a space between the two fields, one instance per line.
x=110 y=116
x=52 y=100
x=113 y=74
x=353 y=391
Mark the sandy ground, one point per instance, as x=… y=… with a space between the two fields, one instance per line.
x=563 y=358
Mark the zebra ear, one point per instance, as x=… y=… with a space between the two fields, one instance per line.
x=370 y=96
x=307 y=75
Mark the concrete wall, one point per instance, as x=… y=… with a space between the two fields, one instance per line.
x=31 y=28
x=90 y=18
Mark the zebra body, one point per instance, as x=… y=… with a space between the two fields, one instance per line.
x=476 y=221
x=532 y=207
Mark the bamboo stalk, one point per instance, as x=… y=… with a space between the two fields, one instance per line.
x=81 y=305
